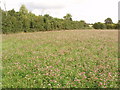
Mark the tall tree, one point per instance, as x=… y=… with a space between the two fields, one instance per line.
x=108 y=21
x=23 y=10
x=68 y=17
x=24 y=18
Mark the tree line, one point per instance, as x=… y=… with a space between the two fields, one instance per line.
x=107 y=25
x=25 y=21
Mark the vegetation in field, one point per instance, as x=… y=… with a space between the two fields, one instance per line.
x=60 y=59
x=25 y=21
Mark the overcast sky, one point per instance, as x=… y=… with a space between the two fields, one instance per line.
x=89 y=10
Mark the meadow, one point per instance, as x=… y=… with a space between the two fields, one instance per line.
x=60 y=59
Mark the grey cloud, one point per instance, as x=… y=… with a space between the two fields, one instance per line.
x=33 y=5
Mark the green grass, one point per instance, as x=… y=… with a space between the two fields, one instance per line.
x=60 y=59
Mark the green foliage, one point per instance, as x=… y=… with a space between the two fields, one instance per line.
x=23 y=10
x=107 y=25
x=118 y=25
x=68 y=17
x=108 y=21
x=25 y=21
x=110 y=26
x=99 y=25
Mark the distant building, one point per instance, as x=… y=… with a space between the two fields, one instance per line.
x=90 y=25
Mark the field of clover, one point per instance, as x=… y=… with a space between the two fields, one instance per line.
x=60 y=59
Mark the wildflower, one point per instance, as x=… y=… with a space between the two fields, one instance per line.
x=76 y=80
x=74 y=85
x=109 y=74
x=47 y=74
x=85 y=77
x=95 y=78
x=100 y=83
x=51 y=67
x=49 y=84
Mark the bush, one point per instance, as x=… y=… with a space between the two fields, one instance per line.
x=111 y=26
x=99 y=26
